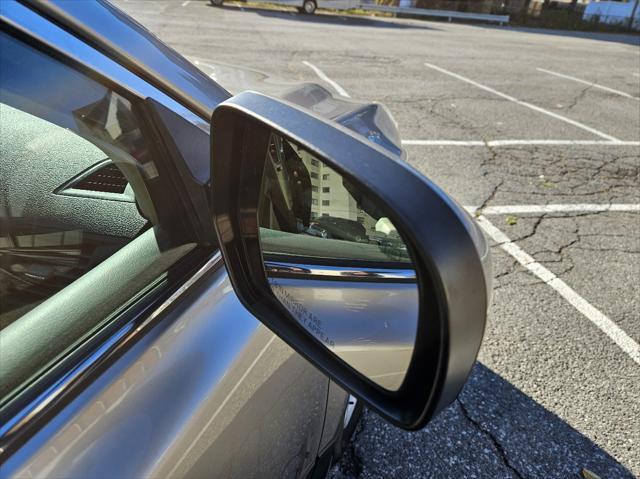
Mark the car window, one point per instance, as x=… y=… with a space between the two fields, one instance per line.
x=55 y=225
x=77 y=173
x=309 y=210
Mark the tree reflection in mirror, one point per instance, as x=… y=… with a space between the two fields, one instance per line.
x=337 y=263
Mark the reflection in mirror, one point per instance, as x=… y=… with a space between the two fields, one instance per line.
x=337 y=263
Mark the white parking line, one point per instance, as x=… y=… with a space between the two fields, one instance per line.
x=184 y=4
x=523 y=103
x=341 y=91
x=558 y=208
x=445 y=142
x=497 y=143
x=602 y=322
x=591 y=84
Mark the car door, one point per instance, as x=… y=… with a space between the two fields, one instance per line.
x=124 y=350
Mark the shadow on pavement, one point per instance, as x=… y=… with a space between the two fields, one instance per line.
x=493 y=430
x=328 y=19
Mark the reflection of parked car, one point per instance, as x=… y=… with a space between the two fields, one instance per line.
x=342 y=228
x=394 y=247
x=315 y=230
x=308 y=6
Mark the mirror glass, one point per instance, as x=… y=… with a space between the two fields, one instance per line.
x=337 y=262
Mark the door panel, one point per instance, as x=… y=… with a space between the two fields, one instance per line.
x=214 y=394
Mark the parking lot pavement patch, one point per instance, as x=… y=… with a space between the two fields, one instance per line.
x=492 y=431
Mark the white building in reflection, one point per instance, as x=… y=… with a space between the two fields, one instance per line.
x=329 y=197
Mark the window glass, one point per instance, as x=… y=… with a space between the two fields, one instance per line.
x=77 y=172
x=55 y=227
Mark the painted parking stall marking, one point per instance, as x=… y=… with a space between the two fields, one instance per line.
x=591 y=84
x=601 y=321
x=523 y=103
x=504 y=143
x=557 y=208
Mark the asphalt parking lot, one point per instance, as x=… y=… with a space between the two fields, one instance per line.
x=538 y=132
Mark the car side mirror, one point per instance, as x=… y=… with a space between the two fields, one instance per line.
x=358 y=262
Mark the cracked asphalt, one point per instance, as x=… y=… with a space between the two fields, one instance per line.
x=551 y=394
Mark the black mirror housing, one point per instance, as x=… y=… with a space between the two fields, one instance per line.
x=449 y=263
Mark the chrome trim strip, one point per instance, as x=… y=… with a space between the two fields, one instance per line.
x=314 y=271
x=124 y=335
